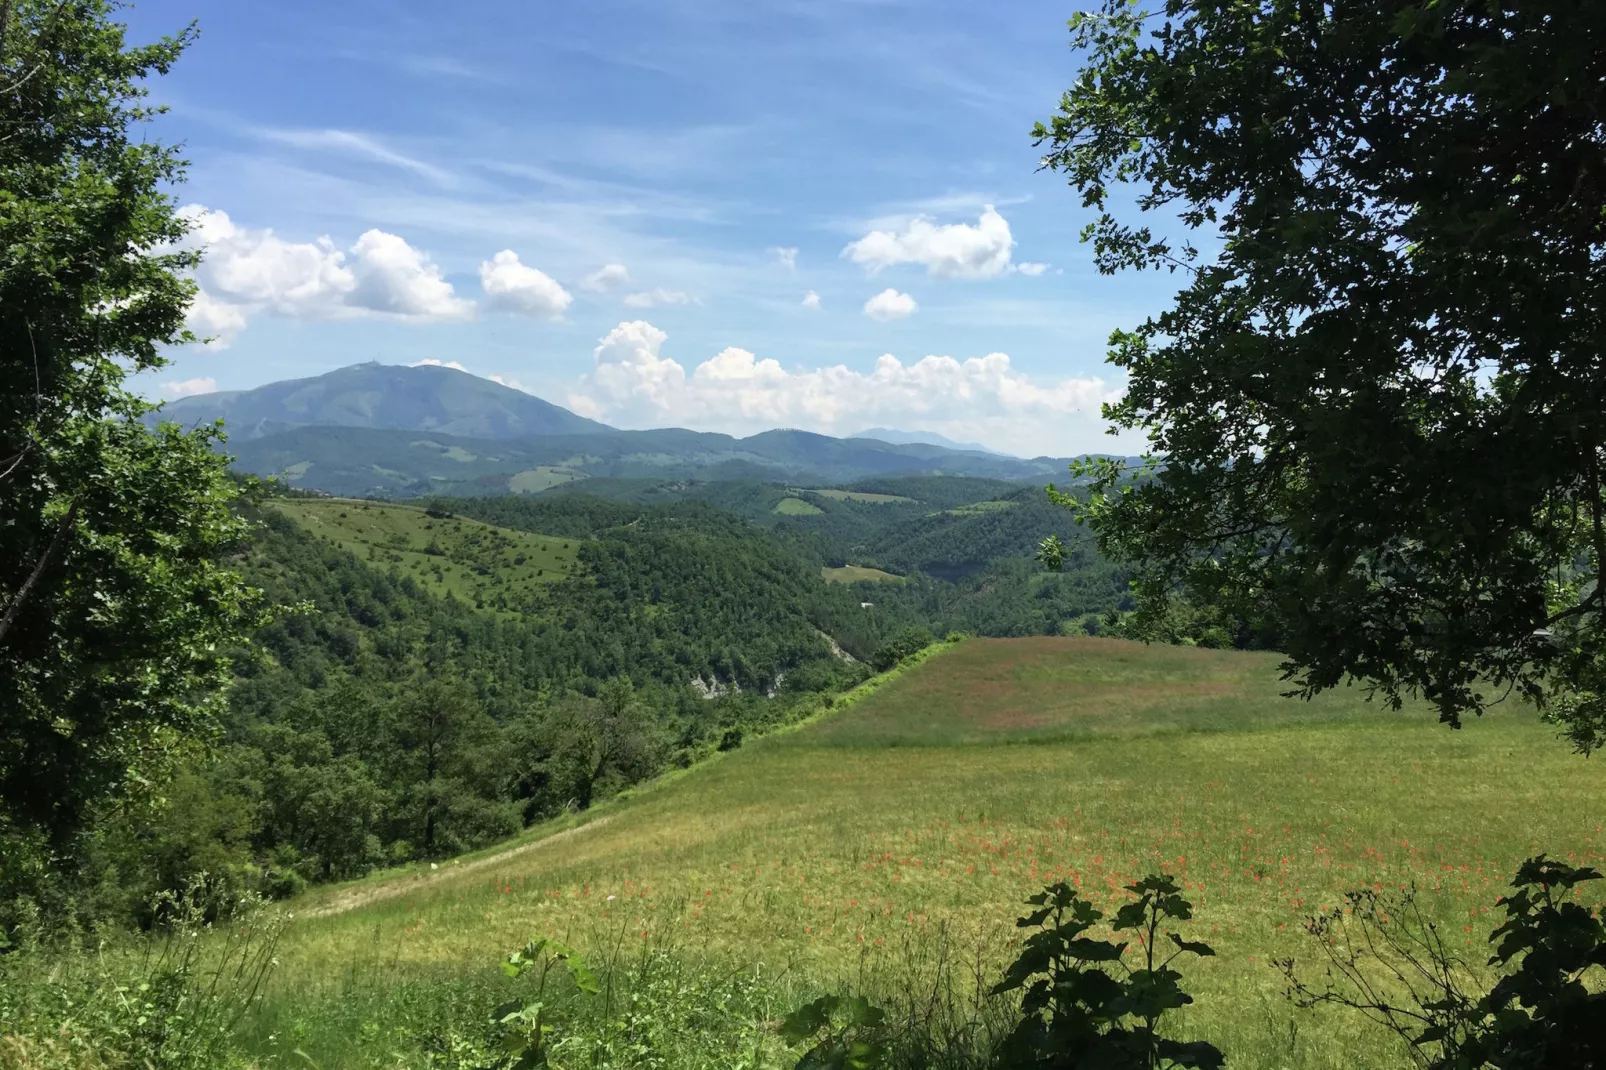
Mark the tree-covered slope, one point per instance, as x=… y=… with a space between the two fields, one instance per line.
x=360 y=461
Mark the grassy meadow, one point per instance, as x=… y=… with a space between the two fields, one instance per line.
x=487 y=566
x=836 y=494
x=796 y=507
x=857 y=574
x=905 y=829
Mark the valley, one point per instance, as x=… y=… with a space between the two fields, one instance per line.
x=817 y=682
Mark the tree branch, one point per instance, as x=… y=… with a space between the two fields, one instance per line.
x=56 y=543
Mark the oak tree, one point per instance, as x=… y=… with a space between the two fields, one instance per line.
x=1377 y=404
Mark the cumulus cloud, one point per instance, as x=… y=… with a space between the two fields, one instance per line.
x=811 y=300
x=657 y=298
x=183 y=388
x=247 y=270
x=606 y=278
x=889 y=304
x=1031 y=268
x=394 y=277
x=954 y=251
x=634 y=383
x=431 y=362
x=214 y=320
x=508 y=382
x=516 y=287
x=786 y=255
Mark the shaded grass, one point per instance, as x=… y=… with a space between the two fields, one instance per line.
x=922 y=816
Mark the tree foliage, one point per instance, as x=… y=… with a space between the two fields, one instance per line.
x=114 y=609
x=1378 y=395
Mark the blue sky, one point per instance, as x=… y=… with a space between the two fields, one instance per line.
x=623 y=207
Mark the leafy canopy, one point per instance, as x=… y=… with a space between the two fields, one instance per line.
x=113 y=609
x=1378 y=395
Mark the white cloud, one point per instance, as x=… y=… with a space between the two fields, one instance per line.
x=811 y=300
x=954 y=251
x=246 y=271
x=431 y=362
x=655 y=298
x=183 y=388
x=1032 y=269
x=628 y=372
x=509 y=382
x=216 y=320
x=394 y=277
x=516 y=287
x=607 y=277
x=786 y=255
x=632 y=383
x=889 y=304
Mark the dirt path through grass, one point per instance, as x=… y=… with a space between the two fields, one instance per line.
x=355 y=898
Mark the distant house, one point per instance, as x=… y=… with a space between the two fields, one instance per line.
x=866 y=605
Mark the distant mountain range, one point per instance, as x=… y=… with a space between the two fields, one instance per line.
x=392 y=431
x=930 y=438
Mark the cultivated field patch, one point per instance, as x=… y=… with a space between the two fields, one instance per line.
x=858 y=574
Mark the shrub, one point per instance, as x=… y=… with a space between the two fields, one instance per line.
x=1082 y=1005
x=1386 y=960
x=848 y=1029
x=904 y=644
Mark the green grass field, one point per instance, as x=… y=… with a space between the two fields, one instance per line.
x=858 y=574
x=543 y=477
x=491 y=567
x=860 y=496
x=796 y=507
x=922 y=815
x=978 y=508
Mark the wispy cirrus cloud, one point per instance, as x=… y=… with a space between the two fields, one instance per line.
x=351 y=143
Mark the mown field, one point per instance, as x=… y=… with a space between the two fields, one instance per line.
x=490 y=567
x=912 y=824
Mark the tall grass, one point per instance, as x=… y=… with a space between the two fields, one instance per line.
x=173 y=1000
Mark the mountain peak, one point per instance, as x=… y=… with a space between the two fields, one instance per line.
x=399 y=397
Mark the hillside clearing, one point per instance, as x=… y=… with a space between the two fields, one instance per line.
x=858 y=574
x=487 y=566
x=796 y=507
x=927 y=812
x=862 y=496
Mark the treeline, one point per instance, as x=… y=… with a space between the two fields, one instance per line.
x=372 y=722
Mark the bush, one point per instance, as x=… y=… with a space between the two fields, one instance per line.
x=1386 y=960
x=904 y=644
x=1082 y=1005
